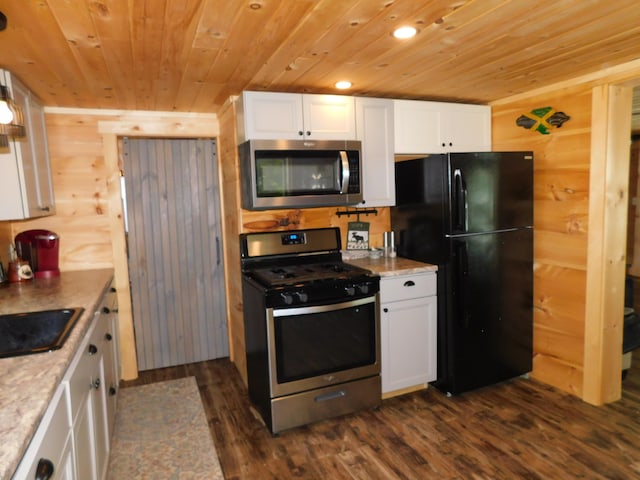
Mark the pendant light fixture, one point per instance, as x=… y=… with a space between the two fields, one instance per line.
x=11 y=117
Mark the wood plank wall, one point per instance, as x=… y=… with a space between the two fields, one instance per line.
x=5 y=239
x=561 y=196
x=580 y=211
x=238 y=220
x=85 y=178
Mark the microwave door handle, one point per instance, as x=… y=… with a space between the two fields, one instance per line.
x=345 y=171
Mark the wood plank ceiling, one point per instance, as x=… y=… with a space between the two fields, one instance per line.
x=191 y=55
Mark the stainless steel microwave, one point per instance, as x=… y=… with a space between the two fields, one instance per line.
x=300 y=173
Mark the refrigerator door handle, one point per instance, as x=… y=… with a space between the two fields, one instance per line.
x=459 y=201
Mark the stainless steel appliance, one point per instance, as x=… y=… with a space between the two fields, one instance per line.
x=300 y=173
x=472 y=215
x=312 y=328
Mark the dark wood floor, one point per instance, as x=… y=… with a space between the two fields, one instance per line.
x=521 y=429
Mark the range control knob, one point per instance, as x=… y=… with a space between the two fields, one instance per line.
x=287 y=298
x=364 y=288
x=350 y=291
x=302 y=296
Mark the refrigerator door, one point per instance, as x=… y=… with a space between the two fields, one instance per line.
x=485 y=332
x=489 y=191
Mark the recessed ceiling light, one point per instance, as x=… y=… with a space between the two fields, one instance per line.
x=404 y=32
x=343 y=84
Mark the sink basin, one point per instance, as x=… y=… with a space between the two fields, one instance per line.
x=35 y=332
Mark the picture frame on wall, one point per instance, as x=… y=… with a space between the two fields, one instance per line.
x=358 y=236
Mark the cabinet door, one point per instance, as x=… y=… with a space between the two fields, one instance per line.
x=374 y=128
x=99 y=413
x=51 y=442
x=25 y=183
x=25 y=152
x=466 y=128
x=83 y=439
x=408 y=343
x=45 y=204
x=439 y=127
x=417 y=127
x=270 y=116
x=329 y=117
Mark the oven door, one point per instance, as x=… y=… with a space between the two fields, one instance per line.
x=317 y=346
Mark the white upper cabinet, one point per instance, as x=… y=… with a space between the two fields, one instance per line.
x=26 y=189
x=293 y=116
x=438 y=127
x=374 y=127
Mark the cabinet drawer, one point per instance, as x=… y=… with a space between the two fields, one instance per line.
x=404 y=287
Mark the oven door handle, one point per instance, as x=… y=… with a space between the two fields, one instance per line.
x=287 y=312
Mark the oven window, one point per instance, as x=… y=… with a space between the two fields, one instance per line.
x=314 y=344
x=285 y=173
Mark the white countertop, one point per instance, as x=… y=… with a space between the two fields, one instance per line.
x=28 y=382
x=390 y=266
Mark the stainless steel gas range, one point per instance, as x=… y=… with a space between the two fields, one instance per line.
x=312 y=328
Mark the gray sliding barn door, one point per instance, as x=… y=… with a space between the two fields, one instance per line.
x=175 y=251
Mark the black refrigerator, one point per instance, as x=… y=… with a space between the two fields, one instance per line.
x=472 y=215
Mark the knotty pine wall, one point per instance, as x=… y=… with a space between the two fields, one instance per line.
x=580 y=188
x=84 y=151
x=561 y=212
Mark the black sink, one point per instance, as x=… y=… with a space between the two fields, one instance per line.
x=35 y=332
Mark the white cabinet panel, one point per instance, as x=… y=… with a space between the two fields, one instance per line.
x=25 y=184
x=408 y=332
x=267 y=115
x=374 y=128
x=409 y=346
x=439 y=127
x=404 y=287
x=292 y=116
x=51 y=444
x=329 y=117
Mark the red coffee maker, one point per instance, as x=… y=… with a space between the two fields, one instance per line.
x=40 y=248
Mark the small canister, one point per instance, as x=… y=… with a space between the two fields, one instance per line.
x=389 y=244
x=20 y=271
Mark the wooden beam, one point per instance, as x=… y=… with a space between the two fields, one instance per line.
x=609 y=175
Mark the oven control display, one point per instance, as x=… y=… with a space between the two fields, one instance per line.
x=296 y=238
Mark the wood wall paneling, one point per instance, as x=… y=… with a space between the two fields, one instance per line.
x=579 y=250
x=83 y=145
x=230 y=177
x=5 y=239
x=561 y=214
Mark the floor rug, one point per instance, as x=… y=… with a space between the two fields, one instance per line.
x=161 y=432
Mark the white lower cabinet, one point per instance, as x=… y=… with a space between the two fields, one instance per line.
x=50 y=454
x=75 y=433
x=408 y=332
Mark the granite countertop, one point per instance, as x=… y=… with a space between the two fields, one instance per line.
x=391 y=266
x=27 y=383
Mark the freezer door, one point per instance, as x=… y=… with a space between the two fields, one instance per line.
x=485 y=319
x=489 y=191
